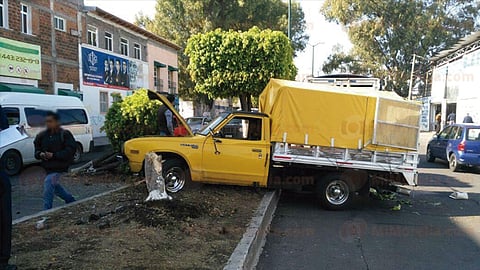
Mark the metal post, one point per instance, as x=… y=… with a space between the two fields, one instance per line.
x=313 y=60
x=411 y=78
x=290 y=19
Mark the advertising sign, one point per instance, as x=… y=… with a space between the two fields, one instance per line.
x=20 y=59
x=105 y=70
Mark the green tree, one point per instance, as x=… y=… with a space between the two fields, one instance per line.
x=177 y=20
x=341 y=62
x=132 y=117
x=386 y=33
x=238 y=64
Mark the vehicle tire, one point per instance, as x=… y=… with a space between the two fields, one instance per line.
x=453 y=163
x=334 y=192
x=176 y=174
x=11 y=162
x=78 y=153
x=429 y=156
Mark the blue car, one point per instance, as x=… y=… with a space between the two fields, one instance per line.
x=459 y=144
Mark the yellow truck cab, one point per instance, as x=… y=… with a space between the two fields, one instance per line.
x=334 y=141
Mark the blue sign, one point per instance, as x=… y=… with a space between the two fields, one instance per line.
x=105 y=70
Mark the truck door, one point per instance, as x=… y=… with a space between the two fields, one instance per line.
x=238 y=152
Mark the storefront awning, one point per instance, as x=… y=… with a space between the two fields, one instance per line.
x=158 y=64
x=170 y=68
x=66 y=92
x=10 y=87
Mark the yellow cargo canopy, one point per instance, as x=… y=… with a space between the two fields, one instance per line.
x=353 y=118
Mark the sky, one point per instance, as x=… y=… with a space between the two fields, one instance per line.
x=320 y=31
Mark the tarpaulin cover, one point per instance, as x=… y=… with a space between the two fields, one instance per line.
x=341 y=117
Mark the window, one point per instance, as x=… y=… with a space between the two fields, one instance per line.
x=4 y=13
x=103 y=102
x=13 y=115
x=124 y=46
x=473 y=134
x=444 y=133
x=108 y=41
x=72 y=117
x=92 y=37
x=137 y=51
x=59 y=23
x=35 y=117
x=26 y=18
x=242 y=128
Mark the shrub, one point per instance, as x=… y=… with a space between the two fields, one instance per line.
x=132 y=117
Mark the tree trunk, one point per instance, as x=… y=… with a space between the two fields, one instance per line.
x=246 y=102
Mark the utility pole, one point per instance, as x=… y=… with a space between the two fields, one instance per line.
x=289 y=19
x=313 y=56
x=411 y=77
x=410 y=88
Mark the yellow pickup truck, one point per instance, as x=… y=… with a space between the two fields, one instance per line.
x=335 y=141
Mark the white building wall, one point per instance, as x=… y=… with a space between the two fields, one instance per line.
x=458 y=82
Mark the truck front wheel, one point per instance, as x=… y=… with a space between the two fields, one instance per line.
x=334 y=192
x=176 y=174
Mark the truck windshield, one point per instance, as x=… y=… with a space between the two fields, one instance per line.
x=205 y=130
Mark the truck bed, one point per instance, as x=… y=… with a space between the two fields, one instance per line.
x=404 y=163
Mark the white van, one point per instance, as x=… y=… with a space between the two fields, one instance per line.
x=26 y=113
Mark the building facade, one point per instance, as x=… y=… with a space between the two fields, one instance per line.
x=456 y=81
x=38 y=44
x=117 y=57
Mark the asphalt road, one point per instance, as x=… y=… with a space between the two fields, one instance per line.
x=434 y=232
x=27 y=187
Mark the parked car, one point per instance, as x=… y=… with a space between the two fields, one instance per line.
x=197 y=123
x=459 y=144
x=26 y=113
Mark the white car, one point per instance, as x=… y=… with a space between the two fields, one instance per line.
x=197 y=123
x=26 y=113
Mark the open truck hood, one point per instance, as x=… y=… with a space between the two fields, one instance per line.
x=157 y=96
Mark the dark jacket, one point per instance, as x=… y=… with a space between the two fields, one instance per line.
x=61 y=144
x=162 y=120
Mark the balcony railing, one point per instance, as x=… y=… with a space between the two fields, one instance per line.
x=172 y=87
x=159 y=86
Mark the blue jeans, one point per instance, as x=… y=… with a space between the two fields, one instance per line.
x=52 y=187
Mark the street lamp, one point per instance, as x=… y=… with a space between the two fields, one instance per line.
x=289 y=20
x=313 y=55
x=410 y=88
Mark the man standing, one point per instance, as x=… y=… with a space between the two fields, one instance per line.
x=451 y=118
x=468 y=119
x=165 y=118
x=438 y=122
x=56 y=148
x=5 y=210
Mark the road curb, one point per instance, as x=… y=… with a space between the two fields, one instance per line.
x=248 y=250
x=49 y=211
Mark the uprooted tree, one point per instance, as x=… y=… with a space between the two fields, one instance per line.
x=132 y=117
x=238 y=64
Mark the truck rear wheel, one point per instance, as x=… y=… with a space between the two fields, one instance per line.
x=334 y=192
x=176 y=174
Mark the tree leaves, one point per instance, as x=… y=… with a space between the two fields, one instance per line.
x=230 y=63
x=132 y=117
x=386 y=33
x=177 y=20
